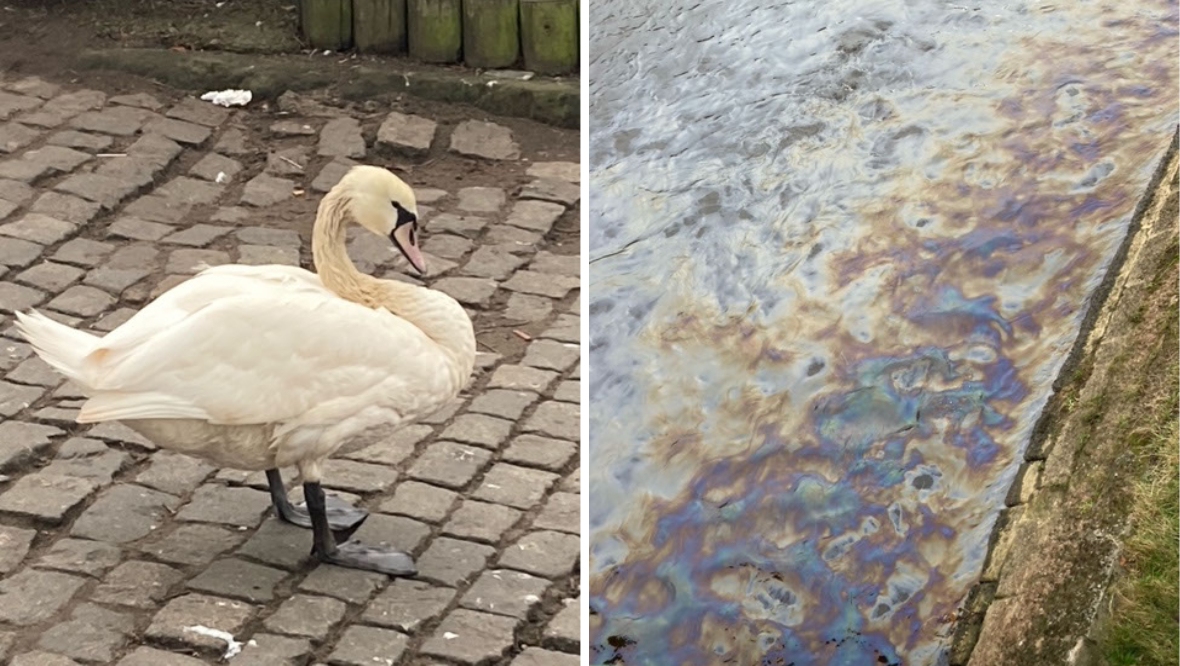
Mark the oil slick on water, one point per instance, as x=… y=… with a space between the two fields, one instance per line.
x=839 y=253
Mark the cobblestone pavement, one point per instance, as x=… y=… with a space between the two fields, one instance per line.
x=116 y=552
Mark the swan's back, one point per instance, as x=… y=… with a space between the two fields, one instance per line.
x=239 y=345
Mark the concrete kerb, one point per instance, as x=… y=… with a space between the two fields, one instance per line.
x=1027 y=492
x=547 y=100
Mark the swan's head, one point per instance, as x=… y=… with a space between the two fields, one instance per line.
x=382 y=203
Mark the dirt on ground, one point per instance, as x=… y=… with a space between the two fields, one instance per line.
x=43 y=36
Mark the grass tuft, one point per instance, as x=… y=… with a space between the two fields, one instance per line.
x=1145 y=622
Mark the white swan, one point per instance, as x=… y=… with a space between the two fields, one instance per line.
x=261 y=367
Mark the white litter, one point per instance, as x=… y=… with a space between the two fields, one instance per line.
x=232 y=647
x=229 y=97
x=448 y=635
x=221 y=177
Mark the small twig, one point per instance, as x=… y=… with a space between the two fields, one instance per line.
x=493 y=327
x=290 y=161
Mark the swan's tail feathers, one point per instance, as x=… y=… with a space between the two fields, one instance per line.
x=116 y=406
x=60 y=346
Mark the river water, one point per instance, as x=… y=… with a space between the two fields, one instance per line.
x=840 y=251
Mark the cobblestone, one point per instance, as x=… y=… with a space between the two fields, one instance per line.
x=478 y=429
x=135 y=583
x=480 y=521
x=567 y=171
x=521 y=378
x=173 y=623
x=271 y=650
x=449 y=464
x=93 y=635
x=119 y=121
x=14 y=545
x=533 y=656
x=214 y=503
x=267 y=190
x=453 y=562
x=238 y=579
x=407 y=134
x=564 y=630
x=557 y=419
x=18 y=253
x=350 y=585
x=364 y=646
x=45 y=497
x=407 y=604
x=92 y=558
x=277 y=544
x=198 y=235
x=124 y=513
x=42 y=658
x=135 y=546
x=193 y=544
x=14 y=136
x=341 y=137
x=470 y=637
x=504 y=592
x=548 y=554
x=552 y=190
x=82 y=301
x=32 y=596
x=65 y=207
x=50 y=276
x=514 y=486
x=503 y=403
x=482 y=139
x=303 y=615
x=536 y=216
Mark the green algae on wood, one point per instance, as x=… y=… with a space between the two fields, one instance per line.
x=326 y=24
x=491 y=33
x=435 y=30
x=379 y=26
x=549 y=35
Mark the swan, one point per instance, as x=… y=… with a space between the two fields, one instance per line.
x=262 y=367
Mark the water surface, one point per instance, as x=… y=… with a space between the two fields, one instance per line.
x=840 y=251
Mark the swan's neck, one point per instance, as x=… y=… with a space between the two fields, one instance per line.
x=437 y=315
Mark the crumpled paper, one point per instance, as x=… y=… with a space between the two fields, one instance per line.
x=228 y=97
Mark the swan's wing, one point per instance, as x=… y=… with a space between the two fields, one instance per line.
x=274 y=274
x=266 y=356
x=207 y=287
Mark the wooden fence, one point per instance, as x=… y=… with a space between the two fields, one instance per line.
x=538 y=35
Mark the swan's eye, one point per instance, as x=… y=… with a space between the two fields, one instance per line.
x=403 y=216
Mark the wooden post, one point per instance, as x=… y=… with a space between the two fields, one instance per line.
x=326 y=24
x=549 y=35
x=435 y=29
x=379 y=26
x=491 y=33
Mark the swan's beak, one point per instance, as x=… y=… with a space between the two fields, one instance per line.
x=405 y=237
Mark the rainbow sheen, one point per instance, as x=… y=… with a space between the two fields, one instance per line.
x=839 y=253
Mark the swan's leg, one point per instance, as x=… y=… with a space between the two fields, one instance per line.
x=350 y=553
x=342 y=516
